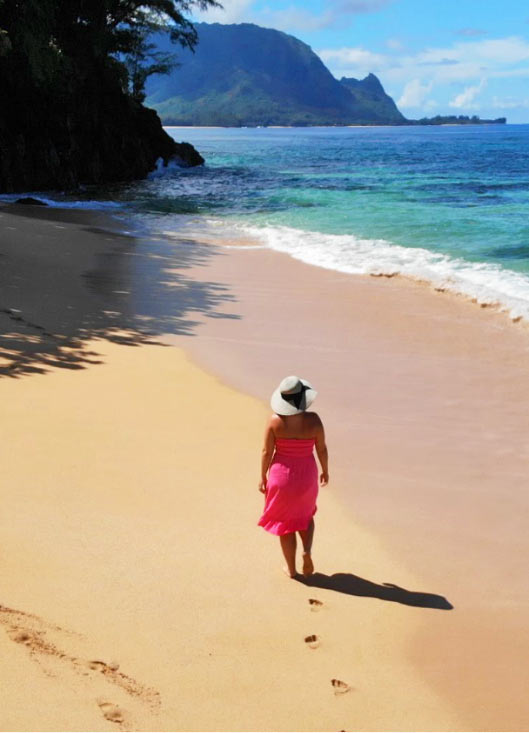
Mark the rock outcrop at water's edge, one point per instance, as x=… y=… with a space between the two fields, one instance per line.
x=116 y=139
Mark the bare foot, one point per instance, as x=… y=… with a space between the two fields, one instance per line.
x=288 y=573
x=308 y=565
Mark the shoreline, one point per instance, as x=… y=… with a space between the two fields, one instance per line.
x=390 y=646
x=439 y=425
x=487 y=284
x=499 y=293
x=303 y=127
x=497 y=308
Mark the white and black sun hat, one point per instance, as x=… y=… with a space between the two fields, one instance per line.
x=294 y=395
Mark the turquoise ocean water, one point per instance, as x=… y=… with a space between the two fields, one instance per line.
x=445 y=204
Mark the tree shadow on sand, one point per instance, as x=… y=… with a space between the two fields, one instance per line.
x=62 y=289
x=353 y=585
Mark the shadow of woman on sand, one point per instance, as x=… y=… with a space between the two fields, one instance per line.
x=352 y=585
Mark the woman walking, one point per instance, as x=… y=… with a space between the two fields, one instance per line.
x=289 y=474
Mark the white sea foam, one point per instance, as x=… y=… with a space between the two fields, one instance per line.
x=173 y=166
x=10 y=198
x=486 y=283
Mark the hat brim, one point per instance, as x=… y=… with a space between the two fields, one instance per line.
x=282 y=407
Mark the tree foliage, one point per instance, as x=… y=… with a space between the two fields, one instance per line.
x=71 y=81
x=143 y=59
x=50 y=42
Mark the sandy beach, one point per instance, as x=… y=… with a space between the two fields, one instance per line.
x=138 y=592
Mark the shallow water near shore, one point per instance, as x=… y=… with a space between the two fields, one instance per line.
x=449 y=205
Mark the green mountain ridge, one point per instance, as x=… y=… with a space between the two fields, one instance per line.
x=370 y=93
x=243 y=74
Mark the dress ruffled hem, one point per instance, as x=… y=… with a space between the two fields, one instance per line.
x=287 y=527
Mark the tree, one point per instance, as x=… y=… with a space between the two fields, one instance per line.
x=143 y=60
x=71 y=86
x=85 y=36
x=97 y=29
x=5 y=43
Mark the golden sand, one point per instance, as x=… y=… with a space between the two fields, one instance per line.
x=138 y=592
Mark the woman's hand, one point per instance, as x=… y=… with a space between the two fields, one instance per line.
x=324 y=478
x=262 y=486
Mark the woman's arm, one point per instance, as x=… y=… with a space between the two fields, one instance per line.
x=322 y=453
x=267 y=454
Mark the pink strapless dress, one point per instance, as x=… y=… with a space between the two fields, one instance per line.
x=292 y=487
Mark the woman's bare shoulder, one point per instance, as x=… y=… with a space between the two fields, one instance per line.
x=274 y=421
x=314 y=418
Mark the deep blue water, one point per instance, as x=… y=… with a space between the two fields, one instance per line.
x=463 y=191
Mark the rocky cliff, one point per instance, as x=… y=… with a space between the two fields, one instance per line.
x=243 y=74
x=369 y=95
x=44 y=145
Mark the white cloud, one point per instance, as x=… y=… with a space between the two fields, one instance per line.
x=466 y=61
x=465 y=100
x=359 y=6
x=463 y=62
x=353 y=61
x=509 y=50
x=292 y=18
x=509 y=103
x=414 y=94
x=232 y=11
x=511 y=73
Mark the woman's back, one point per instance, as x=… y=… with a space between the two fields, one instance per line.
x=304 y=426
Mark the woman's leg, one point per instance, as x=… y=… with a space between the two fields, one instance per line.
x=288 y=545
x=306 y=537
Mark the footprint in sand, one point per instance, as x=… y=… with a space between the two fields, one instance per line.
x=21 y=637
x=34 y=640
x=315 y=605
x=340 y=687
x=110 y=670
x=313 y=641
x=112 y=712
x=34 y=633
x=103 y=666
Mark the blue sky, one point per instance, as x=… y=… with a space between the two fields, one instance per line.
x=433 y=57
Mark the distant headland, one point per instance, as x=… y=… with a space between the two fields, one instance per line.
x=456 y=120
x=242 y=75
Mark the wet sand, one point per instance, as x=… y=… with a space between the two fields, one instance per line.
x=425 y=396
x=117 y=528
